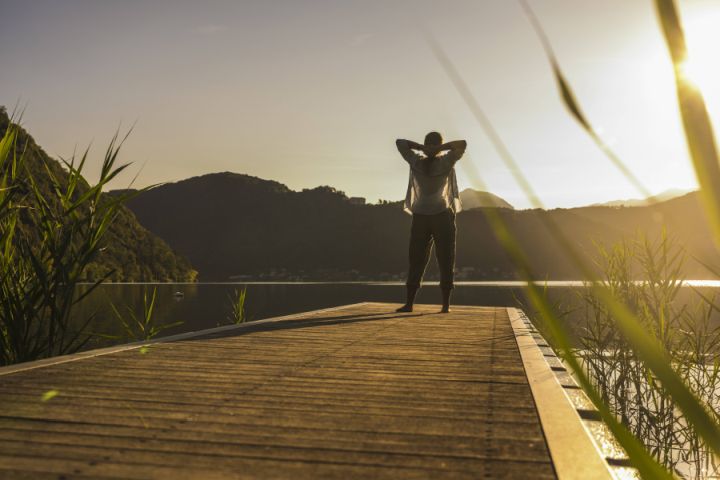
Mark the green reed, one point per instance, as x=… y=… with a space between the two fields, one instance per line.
x=143 y=327
x=646 y=276
x=52 y=225
x=688 y=400
x=237 y=306
x=641 y=458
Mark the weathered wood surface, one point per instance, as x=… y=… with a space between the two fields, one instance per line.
x=357 y=392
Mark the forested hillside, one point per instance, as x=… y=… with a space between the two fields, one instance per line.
x=234 y=226
x=131 y=252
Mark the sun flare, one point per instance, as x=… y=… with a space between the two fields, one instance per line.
x=702 y=66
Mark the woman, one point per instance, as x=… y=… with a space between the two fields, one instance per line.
x=432 y=199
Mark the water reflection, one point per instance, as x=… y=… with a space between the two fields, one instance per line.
x=206 y=305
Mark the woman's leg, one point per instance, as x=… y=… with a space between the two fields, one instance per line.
x=444 y=233
x=419 y=254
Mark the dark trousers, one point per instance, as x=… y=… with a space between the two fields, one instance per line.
x=426 y=230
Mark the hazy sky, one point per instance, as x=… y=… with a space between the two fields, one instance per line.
x=314 y=93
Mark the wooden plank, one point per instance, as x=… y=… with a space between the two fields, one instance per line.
x=354 y=391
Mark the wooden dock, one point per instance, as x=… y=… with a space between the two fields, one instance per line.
x=351 y=392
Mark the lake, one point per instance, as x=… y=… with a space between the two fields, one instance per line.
x=206 y=305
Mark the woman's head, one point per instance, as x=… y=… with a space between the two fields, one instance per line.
x=433 y=138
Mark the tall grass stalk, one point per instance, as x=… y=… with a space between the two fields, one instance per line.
x=145 y=327
x=648 y=466
x=698 y=128
x=237 y=304
x=554 y=328
x=700 y=137
x=46 y=242
x=648 y=349
x=570 y=100
x=646 y=276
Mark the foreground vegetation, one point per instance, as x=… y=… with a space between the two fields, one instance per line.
x=47 y=243
x=129 y=251
x=688 y=402
x=645 y=276
x=684 y=321
x=58 y=231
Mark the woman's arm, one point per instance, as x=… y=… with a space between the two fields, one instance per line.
x=456 y=148
x=406 y=147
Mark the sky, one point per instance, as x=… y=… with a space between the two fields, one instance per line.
x=313 y=93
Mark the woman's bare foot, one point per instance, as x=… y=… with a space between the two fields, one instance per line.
x=405 y=308
x=446 y=300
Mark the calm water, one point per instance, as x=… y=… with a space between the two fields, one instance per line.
x=207 y=305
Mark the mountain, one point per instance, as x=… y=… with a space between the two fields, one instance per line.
x=640 y=202
x=234 y=226
x=477 y=199
x=231 y=225
x=133 y=252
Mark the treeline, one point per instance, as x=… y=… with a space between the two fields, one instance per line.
x=237 y=226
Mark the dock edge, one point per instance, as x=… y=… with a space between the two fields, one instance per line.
x=572 y=445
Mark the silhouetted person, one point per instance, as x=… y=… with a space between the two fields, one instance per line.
x=433 y=200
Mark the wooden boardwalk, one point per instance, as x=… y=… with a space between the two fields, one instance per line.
x=353 y=392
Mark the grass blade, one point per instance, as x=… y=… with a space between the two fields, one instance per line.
x=695 y=119
x=570 y=101
x=649 y=351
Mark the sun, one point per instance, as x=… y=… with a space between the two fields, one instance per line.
x=702 y=32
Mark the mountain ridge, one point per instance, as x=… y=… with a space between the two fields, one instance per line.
x=471 y=198
x=640 y=202
x=235 y=226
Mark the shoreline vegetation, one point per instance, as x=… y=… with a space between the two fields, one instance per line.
x=52 y=224
x=683 y=319
x=130 y=251
x=57 y=230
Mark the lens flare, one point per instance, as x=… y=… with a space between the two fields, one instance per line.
x=702 y=66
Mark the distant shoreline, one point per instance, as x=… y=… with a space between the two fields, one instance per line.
x=468 y=283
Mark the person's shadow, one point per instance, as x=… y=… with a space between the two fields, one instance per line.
x=293 y=324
